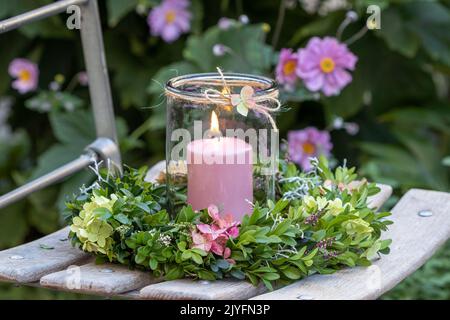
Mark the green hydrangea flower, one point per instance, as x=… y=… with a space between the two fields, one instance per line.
x=335 y=207
x=94 y=232
x=313 y=204
x=357 y=227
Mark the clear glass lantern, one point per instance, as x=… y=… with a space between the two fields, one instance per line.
x=222 y=157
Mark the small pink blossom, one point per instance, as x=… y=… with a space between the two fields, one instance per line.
x=286 y=68
x=26 y=74
x=218 y=245
x=227 y=224
x=323 y=65
x=214 y=237
x=83 y=78
x=308 y=143
x=170 y=19
x=225 y=23
x=201 y=241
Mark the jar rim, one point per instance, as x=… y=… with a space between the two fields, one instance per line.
x=268 y=87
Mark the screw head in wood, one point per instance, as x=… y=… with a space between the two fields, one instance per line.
x=106 y=270
x=16 y=257
x=425 y=213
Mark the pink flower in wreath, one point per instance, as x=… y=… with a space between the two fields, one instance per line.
x=323 y=65
x=201 y=241
x=26 y=74
x=170 y=19
x=226 y=224
x=286 y=68
x=308 y=143
x=214 y=237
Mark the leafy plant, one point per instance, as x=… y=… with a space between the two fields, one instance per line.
x=330 y=226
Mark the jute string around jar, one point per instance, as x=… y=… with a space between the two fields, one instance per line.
x=223 y=97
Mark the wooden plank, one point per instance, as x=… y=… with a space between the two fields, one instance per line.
x=415 y=238
x=201 y=290
x=224 y=289
x=29 y=262
x=105 y=279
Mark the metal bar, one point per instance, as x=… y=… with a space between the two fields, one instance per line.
x=99 y=87
x=48 y=179
x=38 y=14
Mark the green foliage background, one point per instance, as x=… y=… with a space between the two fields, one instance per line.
x=399 y=97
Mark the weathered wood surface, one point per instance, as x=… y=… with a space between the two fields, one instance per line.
x=30 y=261
x=105 y=279
x=186 y=289
x=416 y=236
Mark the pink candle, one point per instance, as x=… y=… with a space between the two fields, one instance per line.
x=220 y=172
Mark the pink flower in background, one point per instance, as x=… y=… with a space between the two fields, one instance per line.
x=83 y=78
x=170 y=19
x=307 y=143
x=286 y=68
x=225 y=23
x=323 y=65
x=26 y=74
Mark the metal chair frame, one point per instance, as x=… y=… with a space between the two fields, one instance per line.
x=105 y=147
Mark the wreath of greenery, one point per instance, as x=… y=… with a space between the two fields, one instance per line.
x=321 y=222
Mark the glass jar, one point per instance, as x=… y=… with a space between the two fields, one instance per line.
x=223 y=156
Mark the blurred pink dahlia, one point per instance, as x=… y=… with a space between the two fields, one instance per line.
x=26 y=74
x=323 y=65
x=286 y=68
x=170 y=19
x=308 y=143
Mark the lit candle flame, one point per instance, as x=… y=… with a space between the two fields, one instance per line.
x=214 y=124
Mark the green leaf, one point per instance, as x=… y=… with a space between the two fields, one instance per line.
x=175 y=273
x=153 y=264
x=186 y=255
x=292 y=273
x=270 y=276
x=181 y=245
x=117 y=9
x=397 y=34
x=446 y=161
x=143 y=206
x=430 y=21
x=250 y=53
x=318 y=27
x=122 y=218
x=102 y=213
x=199 y=251
x=238 y=274
x=206 y=275
x=187 y=214
x=310 y=255
x=196 y=258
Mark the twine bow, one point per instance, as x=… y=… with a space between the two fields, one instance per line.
x=244 y=101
